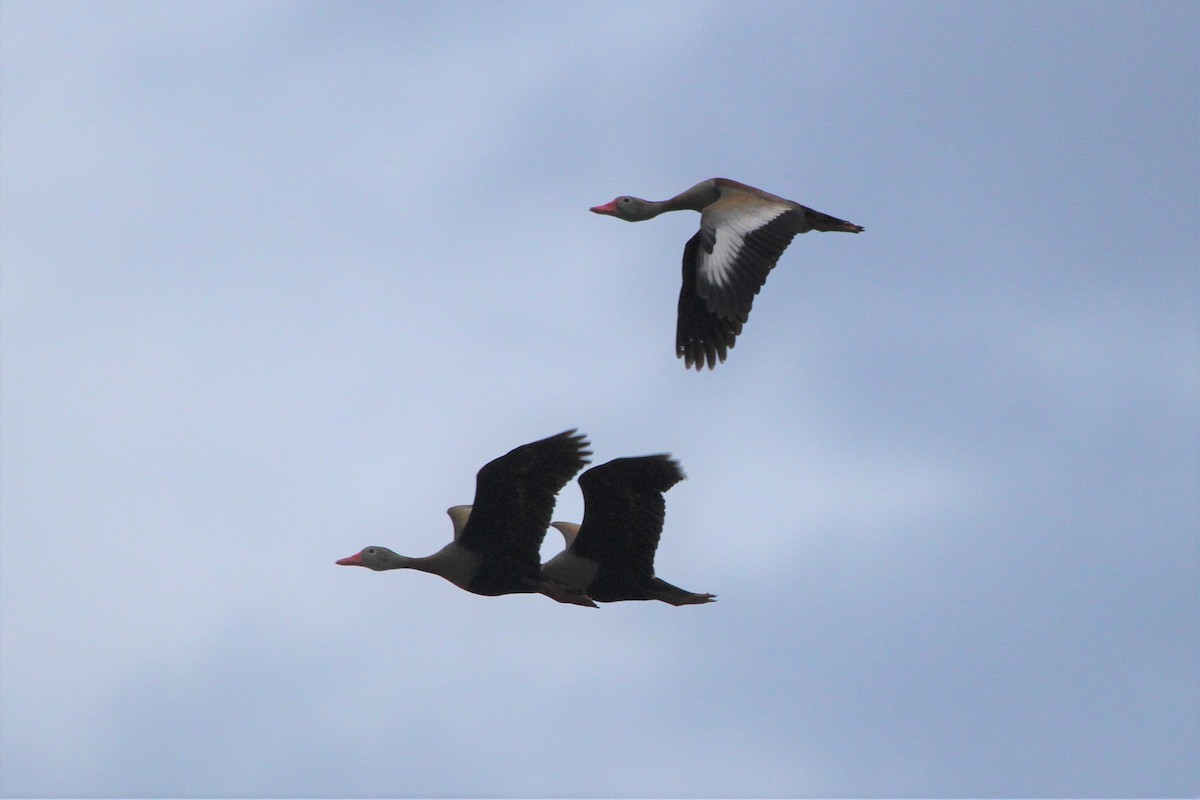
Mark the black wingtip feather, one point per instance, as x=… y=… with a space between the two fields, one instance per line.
x=657 y=472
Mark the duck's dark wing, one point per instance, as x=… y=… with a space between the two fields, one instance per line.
x=514 y=498
x=702 y=338
x=623 y=513
x=744 y=234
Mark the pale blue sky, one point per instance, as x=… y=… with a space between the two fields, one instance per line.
x=277 y=278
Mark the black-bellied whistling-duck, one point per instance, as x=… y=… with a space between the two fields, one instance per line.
x=610 y=557
x=496 y=541
x=743 y=232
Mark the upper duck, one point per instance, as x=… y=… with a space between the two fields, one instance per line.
x=743 y=232
x=496 y=541
x=610 y=556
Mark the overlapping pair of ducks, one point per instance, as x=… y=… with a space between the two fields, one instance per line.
x=610 y=556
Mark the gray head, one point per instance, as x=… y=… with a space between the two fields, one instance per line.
x=630 y=209
x=376 y=558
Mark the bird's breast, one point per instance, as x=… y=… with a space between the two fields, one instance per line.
x=571 y=570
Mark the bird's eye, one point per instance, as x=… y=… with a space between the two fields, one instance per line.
x=626 y=200
x=370 y=551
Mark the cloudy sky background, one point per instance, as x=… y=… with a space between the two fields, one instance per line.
x=279 y=277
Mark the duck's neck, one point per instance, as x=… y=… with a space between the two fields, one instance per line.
x=694 y=199
x=454 y=563
x=391 y=560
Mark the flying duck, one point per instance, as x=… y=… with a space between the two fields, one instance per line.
x=496 y=540
x=743 y=232
x=610 y=557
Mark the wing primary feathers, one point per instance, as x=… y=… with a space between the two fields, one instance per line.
x=702 y=338
x=515 y=494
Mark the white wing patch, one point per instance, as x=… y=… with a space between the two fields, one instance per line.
x=730 y=229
